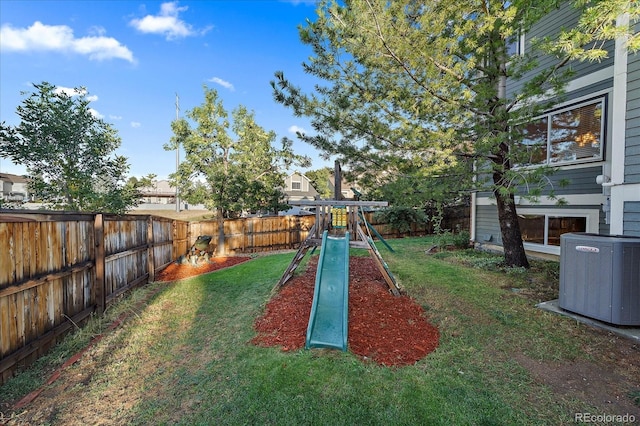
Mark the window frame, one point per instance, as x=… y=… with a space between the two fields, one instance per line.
x=600 y=99
x=592 y=218
x=519 y=43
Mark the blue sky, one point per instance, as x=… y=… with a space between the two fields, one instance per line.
x=133 y=57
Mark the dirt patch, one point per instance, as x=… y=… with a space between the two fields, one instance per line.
x=389 y=330
x=600 y=385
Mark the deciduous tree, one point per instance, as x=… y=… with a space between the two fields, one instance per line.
x=320 y=181
x=68 y=152
x=230 y=166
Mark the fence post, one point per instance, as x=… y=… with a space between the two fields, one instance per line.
x=98 y=231
x=150 y=249
x=174 y=243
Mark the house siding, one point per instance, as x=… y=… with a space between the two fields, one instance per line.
x=577 y=180
x=563 y=17
x=632 y=135
x=631 y=222
x=305 y=192
x=487 y=227
x=614 y=206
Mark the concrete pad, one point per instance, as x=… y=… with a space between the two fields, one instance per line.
x=629 y=332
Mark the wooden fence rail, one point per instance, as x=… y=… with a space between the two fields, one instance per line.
x=57 y=268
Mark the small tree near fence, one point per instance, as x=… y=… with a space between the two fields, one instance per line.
x=229 y=167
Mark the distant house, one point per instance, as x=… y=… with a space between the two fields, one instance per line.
x=592 y=136
x=13 y=188
x=346 y=188
x=298 y=187
x=160 y=193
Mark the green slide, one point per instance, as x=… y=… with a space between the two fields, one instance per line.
x=328 y=322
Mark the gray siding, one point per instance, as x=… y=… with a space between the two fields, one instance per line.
x=632 y=142
x=580 y=181
x=563 y=17
x=631 y=223
x=487 y=226
x=603 y=228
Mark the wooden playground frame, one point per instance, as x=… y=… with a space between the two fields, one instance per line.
x=339 y=217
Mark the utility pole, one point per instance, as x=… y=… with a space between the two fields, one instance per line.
x=177 y=157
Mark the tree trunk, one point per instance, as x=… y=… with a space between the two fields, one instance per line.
x=514 y=254
x=220 y=250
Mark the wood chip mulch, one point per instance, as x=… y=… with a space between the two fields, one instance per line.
x=390 y=330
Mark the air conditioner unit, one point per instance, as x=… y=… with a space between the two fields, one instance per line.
x=600 y=277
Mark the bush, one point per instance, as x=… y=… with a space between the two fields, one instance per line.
x=459 y=239
x=401 y=218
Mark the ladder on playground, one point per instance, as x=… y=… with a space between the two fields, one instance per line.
x=302 y=251
x=380 y=263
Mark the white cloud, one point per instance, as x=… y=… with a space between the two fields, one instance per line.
x=295 y=129
x=96 y=114
x=135 y=124
x=60 y=38
x=222 y=83
x=115 y=117
x=167 y=23
x=70 y=91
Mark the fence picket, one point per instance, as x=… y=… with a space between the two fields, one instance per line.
x=56 y=266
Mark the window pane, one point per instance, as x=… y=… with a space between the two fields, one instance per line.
x=562 y=225
x=534 y=140
x=296 y=185
x=513 y=45
x=532 y=228
x=576 y=134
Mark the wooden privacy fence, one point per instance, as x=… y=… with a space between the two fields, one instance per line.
x=57 y=268
x=256 y=234
x=454 y=219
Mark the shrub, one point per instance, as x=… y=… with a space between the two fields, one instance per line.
x=401 y=218
x=460 y=239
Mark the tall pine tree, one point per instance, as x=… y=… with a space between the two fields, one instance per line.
x=419 y=88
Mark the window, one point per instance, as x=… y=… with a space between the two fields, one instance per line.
x=546 y=228
x=296 y=186
x=515 y=44
x=570 y=135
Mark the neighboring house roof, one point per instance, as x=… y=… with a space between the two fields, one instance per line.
x=6 y=177
x=160 y=188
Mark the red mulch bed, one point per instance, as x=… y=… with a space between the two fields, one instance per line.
x=176 y=271
x=390 y=330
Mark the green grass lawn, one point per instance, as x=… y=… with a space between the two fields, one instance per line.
x=186 y=358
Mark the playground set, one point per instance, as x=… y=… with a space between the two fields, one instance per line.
x=336 y=229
